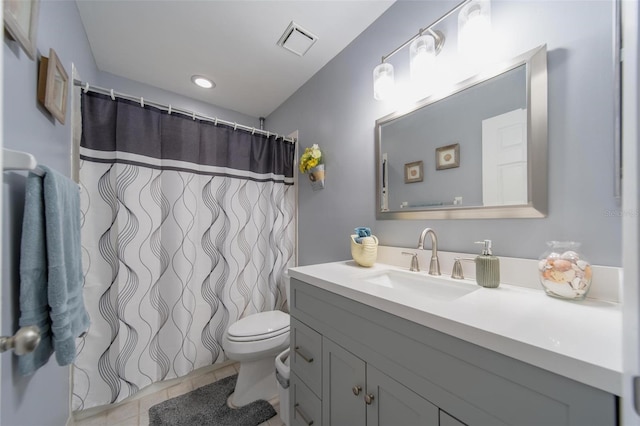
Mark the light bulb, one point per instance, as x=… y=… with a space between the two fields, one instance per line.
x=474 y=31
x=383 y=81
x=422 y=53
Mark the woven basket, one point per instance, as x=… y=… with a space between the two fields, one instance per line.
x=365 y=253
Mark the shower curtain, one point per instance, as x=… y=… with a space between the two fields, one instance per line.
x=187 y=226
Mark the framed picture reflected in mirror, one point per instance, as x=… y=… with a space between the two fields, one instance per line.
x=448 y=157
x=413 y=172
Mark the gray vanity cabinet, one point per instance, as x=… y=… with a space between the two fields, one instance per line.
x=344 y=386
x=355 y=393
x=356 y=365
x=306 y=375
x=306 y=407
x=447 y=420
x=394 y=404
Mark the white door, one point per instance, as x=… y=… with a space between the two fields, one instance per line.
x=504 y=159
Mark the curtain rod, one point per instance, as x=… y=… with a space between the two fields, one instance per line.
x=87 y=87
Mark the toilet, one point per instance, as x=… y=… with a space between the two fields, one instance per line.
x=255 y=341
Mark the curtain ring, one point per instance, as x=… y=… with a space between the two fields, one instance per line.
x=194 y=116
x=253 y=131
x=215 y=123
x=267 y=134
x=113 y=97
x=235 y=126
x=169 y=109
x=141 y=101
x=86 y=87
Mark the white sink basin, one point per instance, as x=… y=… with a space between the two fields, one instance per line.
x=420 y=284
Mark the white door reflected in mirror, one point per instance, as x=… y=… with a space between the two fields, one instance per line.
x=504 y=159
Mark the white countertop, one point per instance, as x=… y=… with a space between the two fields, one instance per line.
x=581 y=340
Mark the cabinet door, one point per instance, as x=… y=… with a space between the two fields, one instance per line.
x=391 y=404
x=343 y=386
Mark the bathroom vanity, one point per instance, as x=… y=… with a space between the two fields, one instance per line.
x=366 y=353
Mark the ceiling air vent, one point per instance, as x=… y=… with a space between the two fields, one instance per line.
x=296 y=39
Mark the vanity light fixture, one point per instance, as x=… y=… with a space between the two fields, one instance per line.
x=203 y=82
x=473 y=25
x=422 y=54
x=383 y=81
x=474 y=30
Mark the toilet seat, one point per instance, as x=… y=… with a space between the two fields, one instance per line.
x=260 y=326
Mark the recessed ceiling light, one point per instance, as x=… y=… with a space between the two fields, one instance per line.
x=203 y=82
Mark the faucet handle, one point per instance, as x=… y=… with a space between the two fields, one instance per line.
x=415 y=267
x=457 y=273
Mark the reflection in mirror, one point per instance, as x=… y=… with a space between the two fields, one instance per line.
x=483 y=148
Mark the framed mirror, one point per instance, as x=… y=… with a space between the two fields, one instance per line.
x=482 y=148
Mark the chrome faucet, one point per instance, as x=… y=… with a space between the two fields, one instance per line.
x=434 y=265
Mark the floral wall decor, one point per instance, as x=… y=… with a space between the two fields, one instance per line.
x=312 y=163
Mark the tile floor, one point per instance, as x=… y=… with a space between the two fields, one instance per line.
x=136 y=411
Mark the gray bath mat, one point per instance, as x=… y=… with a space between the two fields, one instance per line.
x=208 y=406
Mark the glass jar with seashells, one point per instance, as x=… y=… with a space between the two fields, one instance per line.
x=564 y=271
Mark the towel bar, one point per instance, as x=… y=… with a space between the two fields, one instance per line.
x=18 y=160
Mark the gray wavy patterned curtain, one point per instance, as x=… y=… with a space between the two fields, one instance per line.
x=186 y=228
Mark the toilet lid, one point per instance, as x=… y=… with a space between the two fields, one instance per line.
x=260 y=326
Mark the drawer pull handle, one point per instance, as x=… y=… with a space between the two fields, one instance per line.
x=368 y=398
x=305 y=357
x=304 y=417
x=356 y=390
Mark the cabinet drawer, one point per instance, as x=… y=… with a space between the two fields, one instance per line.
x=306 y=408
x=306 y=359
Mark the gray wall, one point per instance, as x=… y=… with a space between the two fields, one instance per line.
x=336 y=109
x=152 y=93
x=43 y=398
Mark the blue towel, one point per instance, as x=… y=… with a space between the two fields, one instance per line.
x=51 y=269
x=362 y=232
x=34 y=305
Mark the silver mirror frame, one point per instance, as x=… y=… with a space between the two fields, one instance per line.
x=537 y=170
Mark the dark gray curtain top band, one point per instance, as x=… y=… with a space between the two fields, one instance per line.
x=124 y=126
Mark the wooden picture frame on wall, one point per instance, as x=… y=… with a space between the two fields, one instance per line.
x=448 y=157
x=21 y=22
x=53 y=86
x=413 y=172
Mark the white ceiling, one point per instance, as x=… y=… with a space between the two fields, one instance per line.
x=163 y=43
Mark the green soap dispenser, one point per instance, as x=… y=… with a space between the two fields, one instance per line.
x=487 y=267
